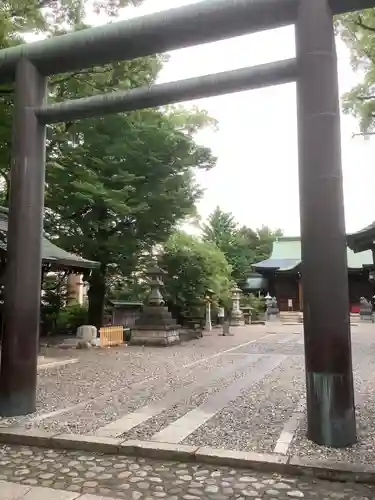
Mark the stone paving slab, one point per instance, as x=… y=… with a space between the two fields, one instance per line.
x=14 y=491
x=138 y=478
x=144 y=414
x=180 y=429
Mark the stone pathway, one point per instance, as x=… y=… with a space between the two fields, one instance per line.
x=13 y=491
x=116 y=476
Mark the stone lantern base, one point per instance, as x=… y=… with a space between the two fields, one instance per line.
x=236 y=318
x=155 y=327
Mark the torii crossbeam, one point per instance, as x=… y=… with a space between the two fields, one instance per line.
x=329 y=377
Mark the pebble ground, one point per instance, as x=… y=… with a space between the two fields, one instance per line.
x=141 y=479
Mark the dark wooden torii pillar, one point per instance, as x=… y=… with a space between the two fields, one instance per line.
x=20 y=343
x=329 y=375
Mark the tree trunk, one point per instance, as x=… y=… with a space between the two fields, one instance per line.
x=96 y=296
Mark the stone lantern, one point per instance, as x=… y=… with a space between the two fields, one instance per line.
x=155 y=326
x=155 y=278
x=236 y=316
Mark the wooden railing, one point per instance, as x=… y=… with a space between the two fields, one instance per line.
x=111 y=335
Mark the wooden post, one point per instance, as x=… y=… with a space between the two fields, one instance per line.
x=24 y=256
x=328 y=358
x=300 y=294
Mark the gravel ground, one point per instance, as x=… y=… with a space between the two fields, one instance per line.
x=288 y=349
x=255 y=420
x=98 y=414
x=146 y=430
x=141 y=479
x=99 y=372
x=364 y=451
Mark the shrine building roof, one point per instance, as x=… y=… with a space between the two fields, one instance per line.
x=52 y=255
x=364 y=239
x=286 y=256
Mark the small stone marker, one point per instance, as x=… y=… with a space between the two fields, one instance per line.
x=86 y=337
x=272 y=312
x=87 y=333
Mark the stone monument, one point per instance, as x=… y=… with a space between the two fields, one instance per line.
x=272 y=312
x=365 y=311
x=155 y=326
x=236 y=316
x=87 y=336
x=246 y=311
x=87 y=333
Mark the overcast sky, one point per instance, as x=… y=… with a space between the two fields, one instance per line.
x=256 y=143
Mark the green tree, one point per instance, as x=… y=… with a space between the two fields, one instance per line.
x=220 y=229
x=242 y=246
x=194 y=267
x=120 y=188
x=358 y=32
x=19 y=18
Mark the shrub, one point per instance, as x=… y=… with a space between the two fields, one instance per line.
x=257 y=305
x=71 y=317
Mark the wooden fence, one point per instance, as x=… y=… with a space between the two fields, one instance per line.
x=111 y=335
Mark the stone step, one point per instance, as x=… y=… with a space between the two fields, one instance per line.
x=291 y=317
x=297 y=317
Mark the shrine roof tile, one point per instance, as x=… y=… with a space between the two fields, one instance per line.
x=278 y=264
x=362 y=239
x=286 y=255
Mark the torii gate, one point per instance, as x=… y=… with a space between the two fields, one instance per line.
x=329 y=376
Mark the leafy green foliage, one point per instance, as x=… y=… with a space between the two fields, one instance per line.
x=51 y=17
x=71 y=317
x=241 y=245
x=130 y=289
x=193 y=268
x=56 y=315
x=358 y=32
x=19 y=18
x=256 y=304
x=120 y=189
x=53 y=301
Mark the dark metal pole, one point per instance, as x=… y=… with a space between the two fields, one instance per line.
x=18 y=371
x=274 y=73
x=329 y=376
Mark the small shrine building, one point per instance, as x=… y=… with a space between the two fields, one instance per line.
x=54 y=258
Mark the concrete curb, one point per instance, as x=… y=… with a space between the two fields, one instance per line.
x=294 y=465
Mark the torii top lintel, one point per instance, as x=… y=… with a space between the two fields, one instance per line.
x=203 y=22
